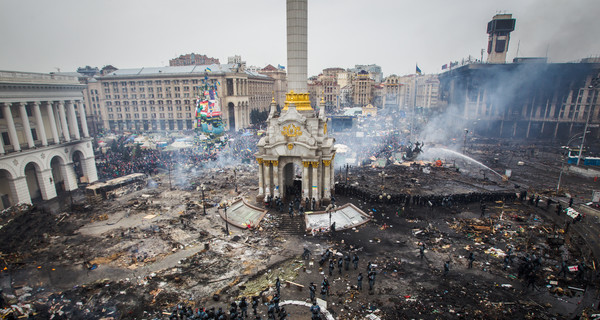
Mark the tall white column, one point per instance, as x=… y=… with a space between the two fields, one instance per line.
x=327 y=174
x=83 y=119
x=305 y=179
x=12 y=131
x=267 y=165
x=63 y=121
x=261 y=186
x=315 y=179
x=26 y=126
x=275 y=177
x=73 y=126
x=41 y=131
x=52 y=120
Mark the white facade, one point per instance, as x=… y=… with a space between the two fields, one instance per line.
x=43 y=132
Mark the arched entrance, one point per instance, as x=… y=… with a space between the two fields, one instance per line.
x=5 y=194
x=231 y=114
x=292 y=179
x=31 y=176
x=57 y=174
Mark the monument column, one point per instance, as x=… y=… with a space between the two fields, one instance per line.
x=12 y=131
x=315 y=179
x=267 y=169
x=275 y=178
x=2 y=147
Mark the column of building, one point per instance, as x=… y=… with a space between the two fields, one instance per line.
x=72 y=121
x=39 y=122
x=275 y=177
x=63 y=121
x=26 y=126
x=12 y=131
x=327 y=179
x=53 y=129
x=261 y=186
x=305 y=179
x=315 y=180
x=267 y=168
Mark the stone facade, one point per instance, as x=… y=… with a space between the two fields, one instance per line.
x=163 y=99
x=296 y=140
x=44 y=134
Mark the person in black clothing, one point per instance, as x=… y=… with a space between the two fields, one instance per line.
x=254 y=304
x=243 y=308
x=360 y=279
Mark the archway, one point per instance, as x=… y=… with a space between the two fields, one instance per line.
x=5 y=193
x=31 y=177
x=291 y=182
x=57 y=174
x=231 y=114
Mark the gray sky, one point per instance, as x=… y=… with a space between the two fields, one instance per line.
x=42 y=35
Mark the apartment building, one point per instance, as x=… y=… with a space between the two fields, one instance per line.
x=163 y=98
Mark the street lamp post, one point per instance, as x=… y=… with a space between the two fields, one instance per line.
x=465 y=142
x=203 y=200
x=566 y=159
x=226 y=222
x=235 y=179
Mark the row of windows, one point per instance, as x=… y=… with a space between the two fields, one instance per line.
x=148 y=82
x=143 y=96
x=145 y=116
x=135 y=103
x=152 y=108
x=150 y=89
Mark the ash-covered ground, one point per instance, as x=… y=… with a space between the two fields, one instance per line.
x=150 y=253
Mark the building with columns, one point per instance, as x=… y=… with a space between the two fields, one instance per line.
x=45 y=146
x=163 y=98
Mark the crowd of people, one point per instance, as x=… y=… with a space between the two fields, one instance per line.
x=124 y=156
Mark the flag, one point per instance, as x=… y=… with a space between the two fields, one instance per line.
x=444 y=67
x=418 y=70
x=280 y=66
x=208 y=69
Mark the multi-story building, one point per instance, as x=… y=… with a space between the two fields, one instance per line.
x=417 y=91
x=280 y=85
x=391 y=95
x=159 y=99
x=362 y=88
x=525 y=99
x=193 y=59
x=45 y=146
